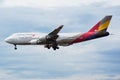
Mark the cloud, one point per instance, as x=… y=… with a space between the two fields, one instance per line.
x=5 y=76
x=54 y=3
x=97 y=59
x=94 y=77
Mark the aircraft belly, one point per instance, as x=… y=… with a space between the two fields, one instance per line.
x=64 y=42
x=67 y=40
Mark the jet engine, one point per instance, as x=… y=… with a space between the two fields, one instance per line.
x=51 y=38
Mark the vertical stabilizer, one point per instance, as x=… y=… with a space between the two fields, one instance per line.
x=102 y=25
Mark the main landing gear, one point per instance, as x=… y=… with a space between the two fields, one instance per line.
x=15 y=47
x=54 y=46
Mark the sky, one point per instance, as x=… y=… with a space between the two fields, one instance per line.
x=92 y=60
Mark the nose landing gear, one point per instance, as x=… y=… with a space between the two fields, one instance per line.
x=15 y=47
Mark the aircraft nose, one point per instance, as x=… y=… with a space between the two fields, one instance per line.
x=8 y=40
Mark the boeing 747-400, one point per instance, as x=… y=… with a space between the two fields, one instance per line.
x=54 y=40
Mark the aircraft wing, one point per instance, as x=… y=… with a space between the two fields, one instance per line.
x=56 y=31
x=54 y=34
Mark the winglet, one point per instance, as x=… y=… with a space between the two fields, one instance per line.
x=102 y=24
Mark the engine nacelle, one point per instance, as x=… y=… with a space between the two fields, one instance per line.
x=49 y=37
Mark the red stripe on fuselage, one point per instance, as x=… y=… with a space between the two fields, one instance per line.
x=83 y=37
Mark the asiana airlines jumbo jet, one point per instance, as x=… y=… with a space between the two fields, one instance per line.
x=54 y=40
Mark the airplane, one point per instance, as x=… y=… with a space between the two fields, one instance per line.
x=54 y=40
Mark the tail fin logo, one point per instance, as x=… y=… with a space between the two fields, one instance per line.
x=101 y=25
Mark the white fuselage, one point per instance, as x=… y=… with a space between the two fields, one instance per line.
x=32 y=38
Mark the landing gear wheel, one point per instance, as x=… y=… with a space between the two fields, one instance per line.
x=57 y=47
x=47 y=46
x=15 y=48
x=54 y=48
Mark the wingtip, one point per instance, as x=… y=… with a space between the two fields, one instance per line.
x=61 y=26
